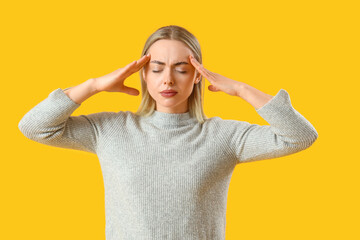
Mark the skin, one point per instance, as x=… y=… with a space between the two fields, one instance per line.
x=159 y=77
x=218 y=82
x=170 y=76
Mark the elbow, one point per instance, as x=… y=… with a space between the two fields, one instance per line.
x=33 y=131
x=307 y=140
x=25 y=129
x=311 y=137
x=22 y=126
x=301 y=141
x=314 y=137
x=40 y=131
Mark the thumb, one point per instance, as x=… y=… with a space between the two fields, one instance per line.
x=213 y=88
x=131 y=91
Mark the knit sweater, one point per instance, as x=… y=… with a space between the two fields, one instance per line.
x=167 y=176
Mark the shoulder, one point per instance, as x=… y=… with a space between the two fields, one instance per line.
x=127 y=118
x=120 y=115
x=218 y=121
x=109 y=117
x=219 y=124
x=111 y=121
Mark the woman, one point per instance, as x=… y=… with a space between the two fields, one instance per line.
x=167 y=167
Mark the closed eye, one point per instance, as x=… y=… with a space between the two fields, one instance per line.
x=178 y=71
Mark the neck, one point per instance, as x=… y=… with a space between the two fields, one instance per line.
x=172 y=119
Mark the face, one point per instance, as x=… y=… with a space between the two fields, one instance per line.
x=170 y=68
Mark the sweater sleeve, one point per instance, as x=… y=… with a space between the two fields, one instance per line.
x=50 y=123
x=289 y=132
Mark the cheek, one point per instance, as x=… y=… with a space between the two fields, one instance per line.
x=152 y=86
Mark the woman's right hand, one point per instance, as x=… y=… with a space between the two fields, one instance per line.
x=114 y=82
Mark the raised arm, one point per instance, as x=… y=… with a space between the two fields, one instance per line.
x=289 y=132
x=81 y=92
x=50 y=123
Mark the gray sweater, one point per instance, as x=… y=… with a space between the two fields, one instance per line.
x=167 y=176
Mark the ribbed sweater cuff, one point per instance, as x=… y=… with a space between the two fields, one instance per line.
x=60 y=99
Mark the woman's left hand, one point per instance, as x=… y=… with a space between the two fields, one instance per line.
x=218 y=82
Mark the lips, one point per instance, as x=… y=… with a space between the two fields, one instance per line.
x=169 y=91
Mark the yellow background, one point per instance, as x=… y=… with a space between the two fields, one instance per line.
x=309 y=48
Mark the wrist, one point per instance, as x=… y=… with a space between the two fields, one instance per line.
x=93 y=86
x=240 y=88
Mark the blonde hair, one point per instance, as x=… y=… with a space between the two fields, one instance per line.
x=196 y=98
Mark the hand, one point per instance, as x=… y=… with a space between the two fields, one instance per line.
x=219 y=82
x=114 y=82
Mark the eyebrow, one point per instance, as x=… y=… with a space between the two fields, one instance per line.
x=162 y=63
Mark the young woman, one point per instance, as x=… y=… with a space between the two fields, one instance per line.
x=167 y=167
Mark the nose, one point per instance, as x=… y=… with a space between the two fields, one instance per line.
x=168 y=80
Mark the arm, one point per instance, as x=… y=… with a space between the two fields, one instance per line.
x=252 y=95
x=81 y=92
x=289 y=132
x=50 y=123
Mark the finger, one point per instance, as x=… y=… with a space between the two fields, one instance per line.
x=208 y=74
x=131 y=91
x=142 y=61
x=213 y=88
x=203 y=71
x=125 y=70
x=129 y=66
x=139 y=62
x=197 y=65
x=136 y=65
x=213 y=75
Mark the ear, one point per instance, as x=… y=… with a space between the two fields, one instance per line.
x=143 y=74
x=197 y=79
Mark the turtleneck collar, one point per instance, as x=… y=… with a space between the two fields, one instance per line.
x=171 y=119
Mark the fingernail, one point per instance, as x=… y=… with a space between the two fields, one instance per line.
x=148 y=54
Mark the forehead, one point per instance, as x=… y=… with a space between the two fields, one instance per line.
x=169 y=51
